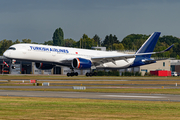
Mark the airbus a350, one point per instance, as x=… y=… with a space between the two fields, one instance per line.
x=46 y=57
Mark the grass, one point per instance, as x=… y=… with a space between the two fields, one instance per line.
x=64 y=108
x=88 y=109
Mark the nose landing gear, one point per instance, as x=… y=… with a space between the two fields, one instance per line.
x=13 y=62
x=13 y=67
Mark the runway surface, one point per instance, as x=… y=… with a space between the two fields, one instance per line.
x=88 y=87
x=90 y=95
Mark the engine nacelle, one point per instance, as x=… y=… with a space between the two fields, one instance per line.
x=44 y=66
x=81 y=63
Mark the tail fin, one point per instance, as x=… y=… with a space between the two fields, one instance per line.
x=149 y=45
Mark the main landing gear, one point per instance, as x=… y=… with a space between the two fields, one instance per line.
x=72 y=73
x=88 y=74
x=91 y=74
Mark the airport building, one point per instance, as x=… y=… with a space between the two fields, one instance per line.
x=159 y=65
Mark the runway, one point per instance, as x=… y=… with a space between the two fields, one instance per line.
x=90 y=95
x=88 y=87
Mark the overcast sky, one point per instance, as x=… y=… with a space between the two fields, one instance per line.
x=38 y=19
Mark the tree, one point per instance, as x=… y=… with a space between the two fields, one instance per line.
x=86 y=42
x=35 y=43
x=117 y=46
x=50 y=42
x=16 y=42
x=115 y=39
x=26 y=41
x=4 y=45
x=106 y=42
x=58 y=37
x=177 y=57
x=69 y=43
x=97 y=39
x=109 y=41
x=133 y=41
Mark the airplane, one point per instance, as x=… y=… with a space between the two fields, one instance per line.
x=46 y=57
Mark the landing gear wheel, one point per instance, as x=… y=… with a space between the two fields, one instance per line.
x=72 y=74
x=13 y=67
x=90 y=74
x=87 y=74
x=95 y=74
x=68 y=74
x=76 y=73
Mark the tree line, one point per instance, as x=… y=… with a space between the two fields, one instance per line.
x=111 y=42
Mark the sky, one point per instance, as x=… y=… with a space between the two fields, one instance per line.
x=38 y=19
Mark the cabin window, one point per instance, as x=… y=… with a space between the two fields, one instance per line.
x=12 y=48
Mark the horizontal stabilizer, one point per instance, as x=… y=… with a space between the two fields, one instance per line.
x=168 y=48
x=155 y=52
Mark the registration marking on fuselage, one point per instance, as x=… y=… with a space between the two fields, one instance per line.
x=133 y=96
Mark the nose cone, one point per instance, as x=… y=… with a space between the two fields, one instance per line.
x=6 y=54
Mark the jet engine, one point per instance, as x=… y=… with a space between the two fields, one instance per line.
x=44 y=66
x=81 y=63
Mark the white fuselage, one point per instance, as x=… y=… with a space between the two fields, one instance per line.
x=45 y=53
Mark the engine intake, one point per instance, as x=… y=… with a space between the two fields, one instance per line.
x=44 y=66
x=81 y=63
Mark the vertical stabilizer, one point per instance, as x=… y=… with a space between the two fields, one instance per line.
x=149 y=44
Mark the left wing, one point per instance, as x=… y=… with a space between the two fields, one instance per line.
x=105 y=59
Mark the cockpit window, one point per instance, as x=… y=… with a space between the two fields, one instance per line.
x=12 y=48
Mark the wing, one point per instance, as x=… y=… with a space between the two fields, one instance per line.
x=105 y=59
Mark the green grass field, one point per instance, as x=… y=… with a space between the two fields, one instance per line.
x=31 y=108
x=75 y=109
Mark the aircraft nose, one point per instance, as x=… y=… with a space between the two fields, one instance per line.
x=6 y=54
